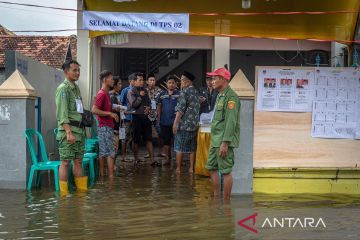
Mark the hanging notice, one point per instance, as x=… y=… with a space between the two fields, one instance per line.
x=136 y=22
x=286 y=90
x=336 y=108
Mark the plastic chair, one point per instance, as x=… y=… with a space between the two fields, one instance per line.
x=94 y=139
x=91 y=151
x=44 y=163
x=94 y=129
x=90 y=159
x=89 y=148
x=91 y=144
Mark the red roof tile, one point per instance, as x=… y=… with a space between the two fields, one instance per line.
x=5 y=32
x=50 y=50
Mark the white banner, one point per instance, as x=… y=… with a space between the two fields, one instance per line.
x=136 y=22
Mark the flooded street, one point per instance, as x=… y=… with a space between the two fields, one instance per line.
x=155 y=203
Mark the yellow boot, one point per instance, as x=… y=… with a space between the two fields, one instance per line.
x=81 y=183
x=64 y=188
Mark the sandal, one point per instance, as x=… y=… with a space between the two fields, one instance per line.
x=155 y=163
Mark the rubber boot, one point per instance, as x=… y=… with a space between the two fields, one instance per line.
x=64 y=188
x=81 y=183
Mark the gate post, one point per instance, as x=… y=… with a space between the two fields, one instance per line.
x=17 y=104
x=243 y=167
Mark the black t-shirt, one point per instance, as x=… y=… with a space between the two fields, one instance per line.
x=210 y=101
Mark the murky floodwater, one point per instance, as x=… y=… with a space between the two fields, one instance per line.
x=155 y=203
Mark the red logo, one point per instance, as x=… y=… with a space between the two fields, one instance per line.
x=250 y=228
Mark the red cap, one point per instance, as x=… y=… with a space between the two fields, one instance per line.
x=222 y=72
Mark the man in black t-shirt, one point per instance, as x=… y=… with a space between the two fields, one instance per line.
x=207 y=97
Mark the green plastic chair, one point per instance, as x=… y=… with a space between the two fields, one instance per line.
x=94 y=129
x=93 y=141
x=89 y=160
x=44 y=163
x=91 y=144
x=90 y=148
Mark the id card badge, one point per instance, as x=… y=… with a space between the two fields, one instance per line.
x=122 y=133
x=79 y=106
x=153 y=104
x=122 y=115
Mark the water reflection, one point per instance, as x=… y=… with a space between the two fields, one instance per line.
x=145 y=203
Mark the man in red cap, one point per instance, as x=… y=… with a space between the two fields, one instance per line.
x=225 y=132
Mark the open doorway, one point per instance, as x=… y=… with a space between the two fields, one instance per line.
x=161 y=62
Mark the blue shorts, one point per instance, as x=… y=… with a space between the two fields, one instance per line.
x=185 y=141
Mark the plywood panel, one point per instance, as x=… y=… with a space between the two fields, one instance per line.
x=283 y=139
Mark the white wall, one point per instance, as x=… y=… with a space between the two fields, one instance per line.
x=221 y=52
x=83 y=57
x=45 y=80
x=96 y=59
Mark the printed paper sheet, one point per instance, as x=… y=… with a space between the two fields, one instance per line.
x=285 y=90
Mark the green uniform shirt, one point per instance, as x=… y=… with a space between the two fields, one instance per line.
x=65 y=97
x=225 y=126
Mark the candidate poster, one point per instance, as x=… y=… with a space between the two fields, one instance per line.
x=285 y=90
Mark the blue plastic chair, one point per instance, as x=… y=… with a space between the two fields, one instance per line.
x=43 y=163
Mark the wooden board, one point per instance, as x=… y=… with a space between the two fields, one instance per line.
x=283 y=139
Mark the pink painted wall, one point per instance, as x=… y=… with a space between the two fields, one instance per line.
x=204 y=42
x=272 y=45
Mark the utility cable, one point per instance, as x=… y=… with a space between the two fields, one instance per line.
x=209 y=14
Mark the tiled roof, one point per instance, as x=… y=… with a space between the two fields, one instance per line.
x=5 y=32
x=50 y=50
